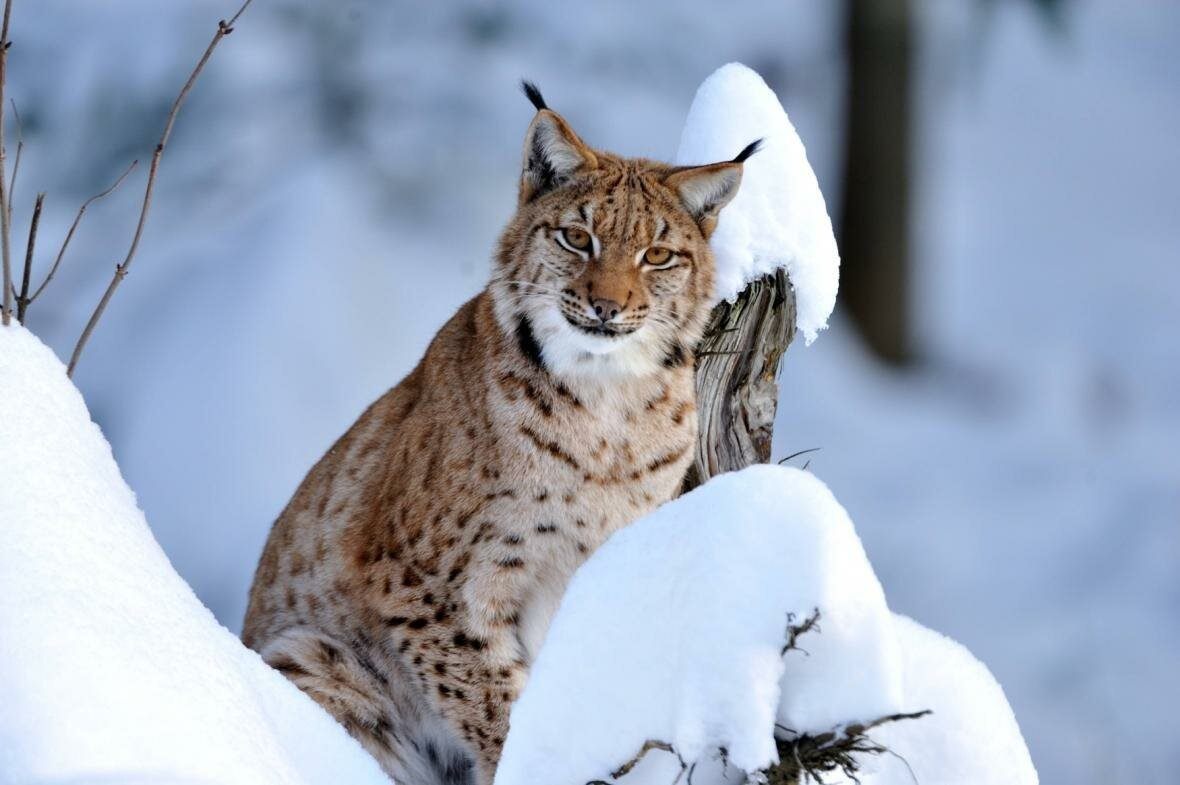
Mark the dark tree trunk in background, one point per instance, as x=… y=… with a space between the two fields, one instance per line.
x=874 y=227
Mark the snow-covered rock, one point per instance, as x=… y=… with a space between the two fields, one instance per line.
x=674 y=631
x=111 y=670
x=778 y=219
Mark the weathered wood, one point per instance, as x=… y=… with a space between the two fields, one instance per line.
x=736 y=377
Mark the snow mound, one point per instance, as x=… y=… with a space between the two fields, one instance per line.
x=674 y=629
x=778 y=218
x=111 y=670
x=971 y=738
x=673 y=632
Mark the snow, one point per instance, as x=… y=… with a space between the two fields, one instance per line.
x=971 y=738
x=686 y=649
x=778 y=218
x=673 y=630
x=111 y=670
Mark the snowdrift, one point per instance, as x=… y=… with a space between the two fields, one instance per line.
x=111 y=670
x=673 y=631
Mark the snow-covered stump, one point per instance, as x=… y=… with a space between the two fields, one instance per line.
x=777 y=267
x=736 y=377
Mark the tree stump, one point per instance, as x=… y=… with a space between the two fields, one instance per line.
x=737 y=378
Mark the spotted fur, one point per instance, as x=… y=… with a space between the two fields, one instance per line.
x=410 y=580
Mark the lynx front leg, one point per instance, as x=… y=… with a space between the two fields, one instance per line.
x=494 y=594
x=483 y=714
x=494 y=598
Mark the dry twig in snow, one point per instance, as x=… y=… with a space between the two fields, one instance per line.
x=807 y=757
x=648 y=746
x=795 y=630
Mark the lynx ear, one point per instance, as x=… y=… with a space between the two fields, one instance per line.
x=704 y=190
x=553 y=153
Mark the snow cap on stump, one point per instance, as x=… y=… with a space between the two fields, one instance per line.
x=778 y=218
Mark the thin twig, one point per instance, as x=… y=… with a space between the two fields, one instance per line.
x=6 y=311
x=224 y=28
x=20 y=148
x=74 y=226
x=648 y=746
x=795 y=630
x=794 y=455
x=858 y=729
x=22 y=300
x=909 y=768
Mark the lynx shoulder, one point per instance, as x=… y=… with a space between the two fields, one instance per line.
x=409 y=582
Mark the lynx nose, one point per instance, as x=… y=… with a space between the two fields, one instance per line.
x=606 y=309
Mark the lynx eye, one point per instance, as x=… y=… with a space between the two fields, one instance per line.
x=657 y=256
x=578 y=239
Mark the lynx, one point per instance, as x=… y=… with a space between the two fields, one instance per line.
x=409 y=582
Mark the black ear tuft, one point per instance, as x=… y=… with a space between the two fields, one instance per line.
x=534 y=95
x=746 y=152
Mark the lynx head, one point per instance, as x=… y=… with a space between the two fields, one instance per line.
x=605 y=270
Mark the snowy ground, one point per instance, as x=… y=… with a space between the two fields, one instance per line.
x=111 y=670
x=1021 y=493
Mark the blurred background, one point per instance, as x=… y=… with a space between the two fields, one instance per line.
x=997 y=402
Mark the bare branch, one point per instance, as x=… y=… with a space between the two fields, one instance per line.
x=20 y=148
x=906 y=763
x=22 y=300
x=224 y=28
x=648 y=746
x=5 y=252
x=795 y=630
x=74 y=227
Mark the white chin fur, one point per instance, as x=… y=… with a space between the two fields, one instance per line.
x=572 y=353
